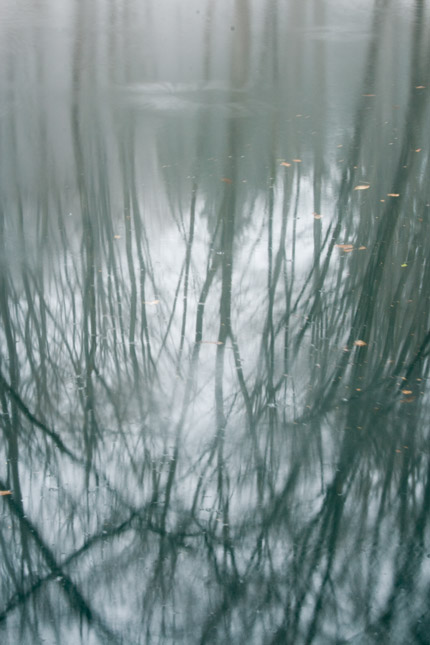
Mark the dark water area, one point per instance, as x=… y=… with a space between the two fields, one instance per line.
x=215 y=322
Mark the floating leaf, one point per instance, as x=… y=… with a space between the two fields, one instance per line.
x=345 y=247
x=362 y=248
x=404 y=265
x=151 y=302
x=369 y=94
x=285 y=163
x=406 y=391
x=360 y=343
x=5 y=492
x=226 y=180
x=212 y=342
x=362 y=187
x=297 y=160
x=317 y=216
x=117 y=237
x=418 y=149
x=393 y=194
x=419 y=87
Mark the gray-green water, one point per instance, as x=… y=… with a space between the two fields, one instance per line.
x=215 y=322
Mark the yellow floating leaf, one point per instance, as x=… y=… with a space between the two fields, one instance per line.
x=117 y=237
x=419 y=87
x=406 y=391
x=345 y=247
x=285 y=163
x=404 y=265
x=297 y=160
x=362 y=248
x=360 y=343
x=5 y=492
x=362 y=187
x=151 y=302
x=317 y=216
x=393 y=194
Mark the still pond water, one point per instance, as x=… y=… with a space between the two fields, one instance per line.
x=215 y=315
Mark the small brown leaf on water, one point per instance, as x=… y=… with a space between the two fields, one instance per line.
x=212 y=342
x=362 y=187
x=393 y=194
x=5 y=492
x=117 y=237
x=362 y=248
x=285 y=163
x=360 y=343
x=419 y=87
x=418 y=149
x=297 y=160
x=226 y=180
x=406 y=391
x=369 y=94
x=317 y=215
x=345 y=247
x=151 y=302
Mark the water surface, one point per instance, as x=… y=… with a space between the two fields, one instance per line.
x=215 y=315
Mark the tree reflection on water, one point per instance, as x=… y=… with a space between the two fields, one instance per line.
x=197 y=447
